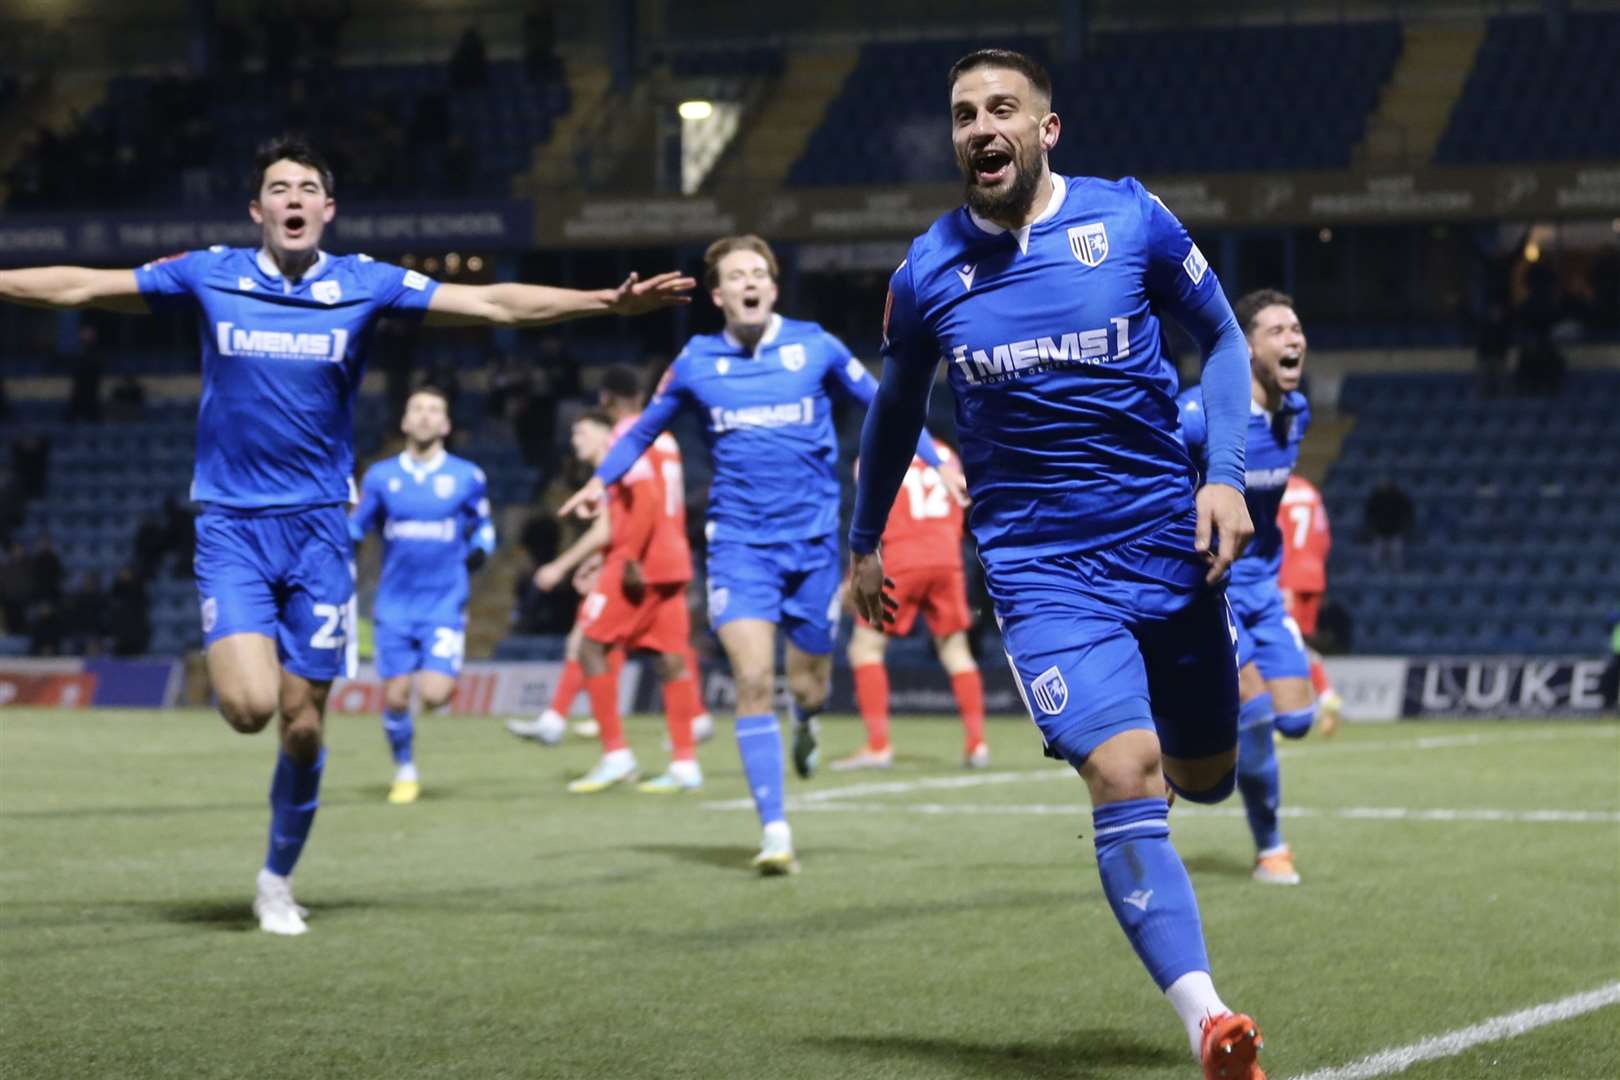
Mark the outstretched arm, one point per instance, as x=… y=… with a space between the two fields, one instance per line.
x=73 y=287
x=592 y=540
x=514 y=304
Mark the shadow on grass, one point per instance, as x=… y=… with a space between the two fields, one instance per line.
x=1082 y=1055
x=1219 y=865
x=724 y=856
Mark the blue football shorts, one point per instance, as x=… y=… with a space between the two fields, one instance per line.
x=405 y=648
x=1103 y=642
x=1267 y=635
x=791 y=583
x=288 y=576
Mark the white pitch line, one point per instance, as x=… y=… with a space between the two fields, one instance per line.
x=1347 y=813
x=1507 y=1026
x=1060 y=772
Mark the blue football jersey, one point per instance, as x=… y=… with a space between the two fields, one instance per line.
x=1065 y=395
x=1272 y=451
x=767 y=421
x=281 y=363
x=430 y=515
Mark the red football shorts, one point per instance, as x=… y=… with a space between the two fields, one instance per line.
x=660 y=622
x=1303 y=608
x=939 y=593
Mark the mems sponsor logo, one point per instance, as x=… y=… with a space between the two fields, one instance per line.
x=236 y=340
x=1265 y=479
x=999 y=363
x=443 y=531
x=789 y=414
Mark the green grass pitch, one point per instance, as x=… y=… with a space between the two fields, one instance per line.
x=946 y=924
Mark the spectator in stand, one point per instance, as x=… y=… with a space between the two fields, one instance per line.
x=181 y=534
x=127 y=399
x=1388 y=517
x=84 y=396
x=151 y=544
x=540 y=62
x=129 y=621
x=16 y=587
x=46 y=572
x=469 y=64
x=1609 y=683
x=84 y=616
x=30 y=465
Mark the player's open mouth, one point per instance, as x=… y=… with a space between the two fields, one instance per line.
x=1290 y=363
x=293 y=226
x=990 y=166
x=750 y=303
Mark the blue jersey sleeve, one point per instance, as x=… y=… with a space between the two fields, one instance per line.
x=893 y=431
x=667 y=401
x=480 y=525
x=399 y=289
x=1180 y=281
x=173 y=281
x=851 y=379
x=369 y=514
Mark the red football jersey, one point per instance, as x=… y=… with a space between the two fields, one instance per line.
x=648 y=505
x=1306 y=538
x=925 y=523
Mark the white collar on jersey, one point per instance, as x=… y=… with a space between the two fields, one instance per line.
x=268 y=265
x=1054 y=201
x=1257 y=409
x=423 y=471
x=772 y=328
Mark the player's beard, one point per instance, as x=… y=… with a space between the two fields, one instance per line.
x=1012 y=204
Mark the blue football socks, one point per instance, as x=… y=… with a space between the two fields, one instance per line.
x=399 y=729
x=1258 y=777
x=294 y=797
x=1148 y=888
x=759 y=742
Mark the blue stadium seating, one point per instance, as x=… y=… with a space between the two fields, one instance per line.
x=1131 y=106
x=104 y=478
x=1517 y=542
x=1530 y=98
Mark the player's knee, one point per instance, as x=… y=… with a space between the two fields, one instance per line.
x=671 y=666
x=302 y=741
x=753 y=691
x=1220 y=790
x=396 y=700
x=1296 y=724
x=1118 y=777
x=808 y=690
x=1203 y=780
x=246 y=712
x=434 y=697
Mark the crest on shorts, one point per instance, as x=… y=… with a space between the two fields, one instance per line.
x=719 y=596
x=444 y=486
x=1049 y=691
x=210 y=614
x=327 y=291
x=792 y=356
x=1089 y=242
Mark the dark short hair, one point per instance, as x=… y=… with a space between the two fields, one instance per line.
x=621 y=381
x=1022 y=63
x=725 y=246
x=431 y=391
x=1252 y=303
x=595 y=416
x=290 y=148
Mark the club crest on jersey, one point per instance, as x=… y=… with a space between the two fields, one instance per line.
x=327 y=291
x=1049 y=691
x=792 y=356
x=444 y=486
x=393 y=483
x=722 y=365
x=1089 y=242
